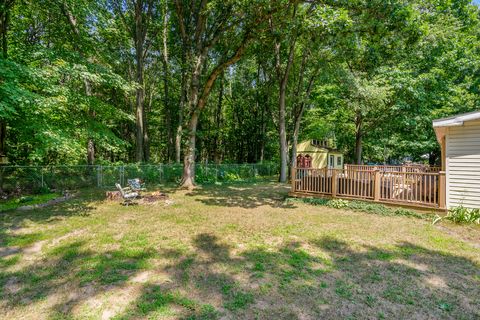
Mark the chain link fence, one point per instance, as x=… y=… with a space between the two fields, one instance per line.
x=41 y=178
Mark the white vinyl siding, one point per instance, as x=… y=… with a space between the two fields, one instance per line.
x=463 y=165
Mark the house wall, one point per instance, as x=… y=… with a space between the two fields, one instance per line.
x=463 y=165
x=319 y=155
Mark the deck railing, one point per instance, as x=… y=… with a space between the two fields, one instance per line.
x=421 y=189
x=394 y=168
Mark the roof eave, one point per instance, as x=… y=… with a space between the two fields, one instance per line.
x=447 y=123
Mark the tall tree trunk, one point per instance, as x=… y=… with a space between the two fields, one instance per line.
x=301 y=108
x=197 y=103
x=146 y=140
x=358 y=137
x=283 y=80
x=140 y=96
x=296 y=131
x=218 y=117
x=282 y=133
x=90 y=141
x=166 y=76
x=188 y=179
x=4 y=20
x=262 y=135
x=181 y=108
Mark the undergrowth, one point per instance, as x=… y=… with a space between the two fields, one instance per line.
x=460 y=215
x=362 y=206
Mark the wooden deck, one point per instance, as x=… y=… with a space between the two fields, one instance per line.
x=422 y=187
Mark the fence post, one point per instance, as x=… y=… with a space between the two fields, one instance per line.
x=376 y=185
x=334 y=183
x=293 y=178
x=442 y=190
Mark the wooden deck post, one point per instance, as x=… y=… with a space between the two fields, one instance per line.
x=334 y=183
x=442 y=190
x=294 y=171
x=376 y=185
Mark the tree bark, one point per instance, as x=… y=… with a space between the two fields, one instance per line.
x=197 y=103
x=166 y=76
x=4 y=24
x=90 y=141
x=188 y=180
x=358 y=137
x=283 y=80
x=218 y=117
x=300 y=112
x=282 y=134
x=181 y=108
x=4 y=21
x=140 y=96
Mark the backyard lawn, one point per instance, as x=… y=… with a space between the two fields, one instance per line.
x=233 y=252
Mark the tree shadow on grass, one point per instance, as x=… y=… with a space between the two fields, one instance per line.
x=322 y=279
x=13 y=242
x=72 y=272
x=406 y=281
x=243 y=195
x=291 y=282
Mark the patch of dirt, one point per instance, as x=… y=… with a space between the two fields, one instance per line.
x=142 y=277
x=35 y=248
x=436 y=281
x=66 y=236
x=154 y=197
x=414 y=265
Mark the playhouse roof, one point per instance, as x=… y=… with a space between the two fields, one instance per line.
x=308 y=147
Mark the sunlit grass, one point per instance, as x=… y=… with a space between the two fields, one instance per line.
x=239 y=252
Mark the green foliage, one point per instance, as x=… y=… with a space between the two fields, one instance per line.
x=362 y=206
x=338 y=203
x=379 y=71
x=460 y=215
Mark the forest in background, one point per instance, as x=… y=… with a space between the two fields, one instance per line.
x=231 y=81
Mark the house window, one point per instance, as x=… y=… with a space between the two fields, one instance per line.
x=331 y=161
x=339 y=161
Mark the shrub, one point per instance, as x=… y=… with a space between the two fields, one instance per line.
x=355 y=205
x=338 y=203
x=460 y=215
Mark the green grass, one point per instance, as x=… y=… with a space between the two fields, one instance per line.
x=237 y=252
x=14 y=203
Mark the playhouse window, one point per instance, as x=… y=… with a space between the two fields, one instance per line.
x=304 y=161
